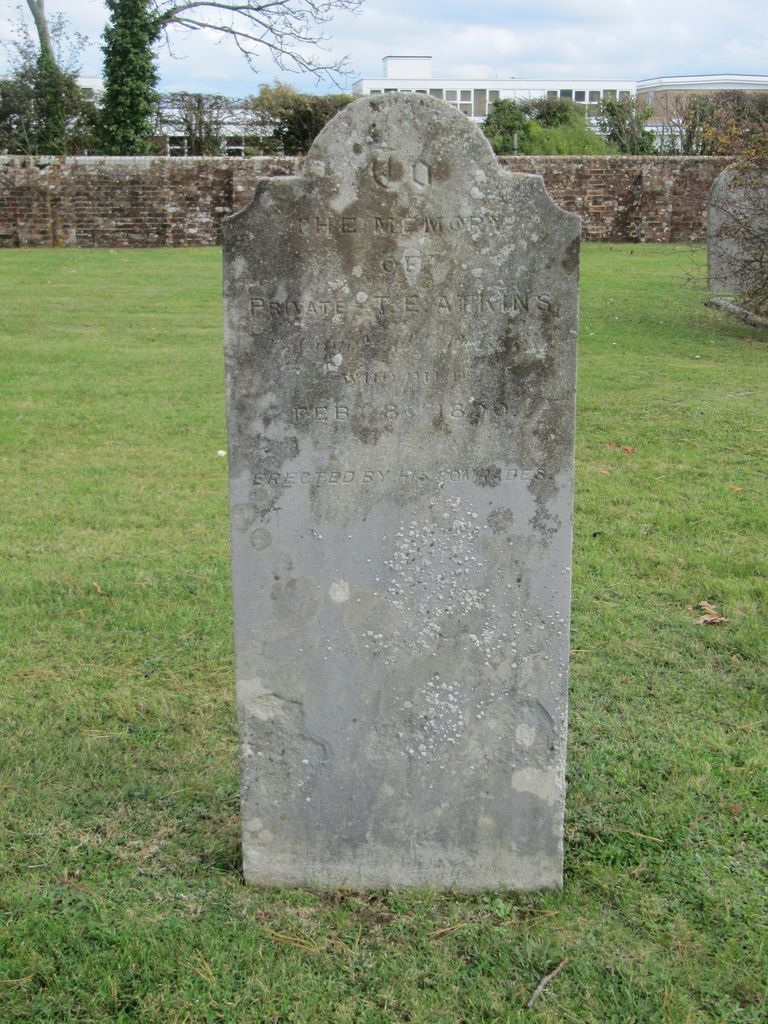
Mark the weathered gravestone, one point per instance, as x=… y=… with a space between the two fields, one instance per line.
x=400 y=340
x=737 y=232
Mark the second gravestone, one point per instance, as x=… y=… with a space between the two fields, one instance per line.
x=400 y=342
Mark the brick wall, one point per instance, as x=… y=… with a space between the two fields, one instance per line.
x=630 y=198
x=157 y=201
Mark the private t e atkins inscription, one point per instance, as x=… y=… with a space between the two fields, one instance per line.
x=403 y=304
x=485 y=476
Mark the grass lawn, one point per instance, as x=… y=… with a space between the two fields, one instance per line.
x=120 y=892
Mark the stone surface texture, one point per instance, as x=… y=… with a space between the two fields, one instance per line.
x=400 y=340
x=737 y=223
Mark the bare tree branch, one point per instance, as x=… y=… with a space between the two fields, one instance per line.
x=291 y=31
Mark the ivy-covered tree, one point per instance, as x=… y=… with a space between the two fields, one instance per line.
x=129 y=101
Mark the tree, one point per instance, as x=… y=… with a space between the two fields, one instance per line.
x=685 y=119
x=738 y=217
x=575 y=137
x=738 y=126
x=548 y=125
x=130 y=77
x=42 y=107
x=507 y=126
x=622 y=122
x=737 y=233
x=44 y=111
x=55 y=92
x=202 y=119
x=289 y=30
x=715 y=123
x=287 y=121
x=44 y=35
x=553 y=111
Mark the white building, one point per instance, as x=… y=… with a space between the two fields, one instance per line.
x=474 y=97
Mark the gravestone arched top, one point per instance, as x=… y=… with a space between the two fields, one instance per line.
x=408 y=146
x=414 y=153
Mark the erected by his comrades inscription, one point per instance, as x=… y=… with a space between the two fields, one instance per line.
x=400 y=344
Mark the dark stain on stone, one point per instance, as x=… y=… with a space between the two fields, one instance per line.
x=570 y=261
x=264 y=457
x=295 y=601
x=291 y=758
x=439 y=422
x=487 y=476
x=475 y=413
x=441 y=170
x=501 y=520
x=545 y=522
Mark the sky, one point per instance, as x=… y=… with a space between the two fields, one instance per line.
x=626 y=39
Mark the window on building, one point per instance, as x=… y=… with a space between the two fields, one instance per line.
x=551 y=94
x=624 y=94
x=437 y=93
x=480 y=103
x=609 y=94
x=566 y=94
x=466 y=95
x=375 y=92
x=594 y=95
x=466 y=108
x=450 y=95
x=421 y=92
x=390 y=90
x=580 y=96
